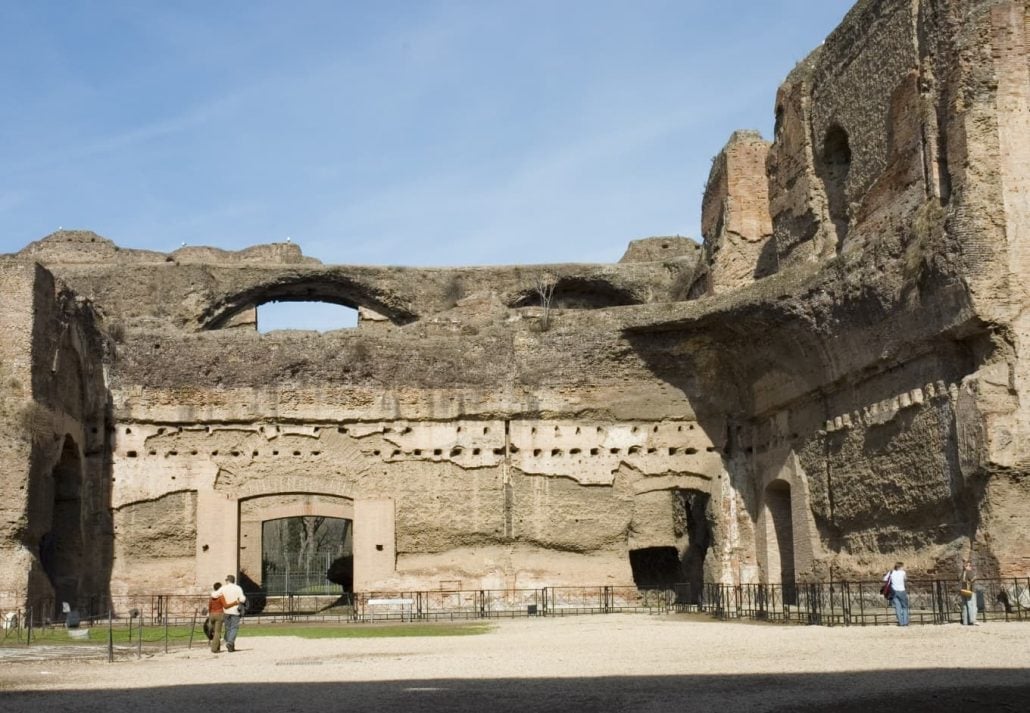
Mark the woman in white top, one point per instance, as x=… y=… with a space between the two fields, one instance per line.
x=897 y=577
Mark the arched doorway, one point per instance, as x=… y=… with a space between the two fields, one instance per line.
x=61 y=551
x=296 y=544
x=779 y=538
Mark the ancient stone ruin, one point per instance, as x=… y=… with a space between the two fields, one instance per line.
x=836 y=379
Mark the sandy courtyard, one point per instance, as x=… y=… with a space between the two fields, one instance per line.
x=596 y=663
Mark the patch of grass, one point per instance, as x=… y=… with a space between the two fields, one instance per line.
x=366 y=631
x=178 y=635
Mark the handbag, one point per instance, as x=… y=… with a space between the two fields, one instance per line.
x=966 y=593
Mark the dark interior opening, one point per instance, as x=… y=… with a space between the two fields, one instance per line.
x=777 y=499
x=655 y=567
x=699 y=538
x=61 y=549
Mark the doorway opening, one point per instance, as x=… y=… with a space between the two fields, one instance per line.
x=779 y=534
x=307 y=555
x=61 y=549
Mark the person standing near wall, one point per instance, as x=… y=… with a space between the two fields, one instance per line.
x=234 y=597
x=968 y=593
x=897 y=577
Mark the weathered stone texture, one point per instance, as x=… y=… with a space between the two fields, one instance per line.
x=735 y=219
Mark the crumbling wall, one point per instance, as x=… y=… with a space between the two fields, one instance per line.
x=17 y=285
x=735 y=219
x=56 y=535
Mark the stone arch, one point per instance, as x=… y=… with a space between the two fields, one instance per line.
x=580 y=293
x=330 y=287
x=779 y=538
x=833 y=166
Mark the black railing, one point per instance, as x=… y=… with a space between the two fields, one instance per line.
x=855 y=603
x=839 y=603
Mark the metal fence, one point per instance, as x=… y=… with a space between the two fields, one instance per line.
x=855 y=603
x=154 y=621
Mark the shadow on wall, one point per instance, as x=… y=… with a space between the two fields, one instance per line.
x=69 y=476
x=256 y=598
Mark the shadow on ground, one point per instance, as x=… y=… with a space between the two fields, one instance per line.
x=911 y=691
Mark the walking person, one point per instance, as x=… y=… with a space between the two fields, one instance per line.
x=215 y=618
x=897 y=577
x=234 y=597
x=968 y=594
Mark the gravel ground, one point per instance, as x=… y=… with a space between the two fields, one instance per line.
x=595 y=663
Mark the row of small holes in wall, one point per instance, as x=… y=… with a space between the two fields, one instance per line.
x=254 y=454
x=316 y=429
x=632 y=450
x=454 y=452
x=407 y=429
x=600 y=429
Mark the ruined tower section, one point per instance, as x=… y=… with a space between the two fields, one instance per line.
x=881 y=370
x=735 y=219
x=902 y=145
x=55 y=545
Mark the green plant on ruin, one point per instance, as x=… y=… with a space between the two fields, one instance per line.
x=543 y=286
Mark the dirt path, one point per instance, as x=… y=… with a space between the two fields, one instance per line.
x=610 y=663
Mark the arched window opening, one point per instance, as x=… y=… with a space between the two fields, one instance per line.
x=835 y=165
x=778 y=122
x=316 y=316
x=576 y=293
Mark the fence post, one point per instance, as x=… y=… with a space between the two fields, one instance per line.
x=110 y=635
x=939 y=603
x=193 y=627
x=139 y=637
x=28 y=632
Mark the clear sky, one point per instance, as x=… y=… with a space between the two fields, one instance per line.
x=384 y=132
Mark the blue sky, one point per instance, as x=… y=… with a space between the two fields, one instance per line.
x=414 y=133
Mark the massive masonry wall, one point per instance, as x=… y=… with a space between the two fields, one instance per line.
x=56 y=537
x=836 y=379
x=885 y=381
